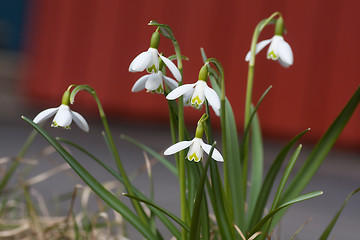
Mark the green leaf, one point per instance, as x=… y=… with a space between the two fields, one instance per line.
x=169 y=214
x=165 y=30
x=283 y=181
x=322 y=148
x=156 y=155
x=328 y=229
x=257 y=162
x=269 y=181
x=301 y=198
x=113 y=201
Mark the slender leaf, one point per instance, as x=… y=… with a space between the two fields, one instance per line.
x=269 y=181
x=156 y=155
x=257 y=162
x=331 y=225
x=320 y=151
x=283 y=181
x=301 y=198
x=96 y=186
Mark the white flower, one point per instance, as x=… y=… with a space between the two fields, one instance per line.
x=197 y=148
x=196 y=94
x=149 y=60
x=153 y=82
x=278 y=50
x=63 y=117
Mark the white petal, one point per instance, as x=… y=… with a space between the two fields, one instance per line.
x=273 y=50
x=140 y=62
x=286 y=57
x=258 y=48
x=195 y=152
x=153 y=82
x=216 y=155
x=212 y=98
x=42 y=116
x=186 y=98
x=140 y=84
x=154 y=60
x=177 y=147
x=170 y=82
x=80 y=121
x=63 y=117
x=198 y=97
x=172 y=67
x=183 y=89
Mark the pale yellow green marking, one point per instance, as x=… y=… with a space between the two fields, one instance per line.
x=193 y=157
x=196 y=102
x=272 y=55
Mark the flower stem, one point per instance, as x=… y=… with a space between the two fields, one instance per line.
x=249 y=89
x=182 y=173
x=112 y=146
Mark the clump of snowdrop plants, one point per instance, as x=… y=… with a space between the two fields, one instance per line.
x=241 y=203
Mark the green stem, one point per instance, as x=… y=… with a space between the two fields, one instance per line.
x=249 y=88
x=112 y=146
x=16 y=163
x=182 y=173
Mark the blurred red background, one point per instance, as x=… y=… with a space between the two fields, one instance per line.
x=93 y=42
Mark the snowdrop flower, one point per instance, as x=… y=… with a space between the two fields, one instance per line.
x=278 y=50
x=63 y=115
x=196 y=147
x=149 y=60
x=197 y=92
x=153 y=82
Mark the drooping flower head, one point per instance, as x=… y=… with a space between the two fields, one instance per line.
x=151 y=60
x=196 y=93
x=279 y=50
x=196 y=146
x=63 y=115
x=153 y=82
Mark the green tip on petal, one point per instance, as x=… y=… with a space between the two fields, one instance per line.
x=155 y=39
